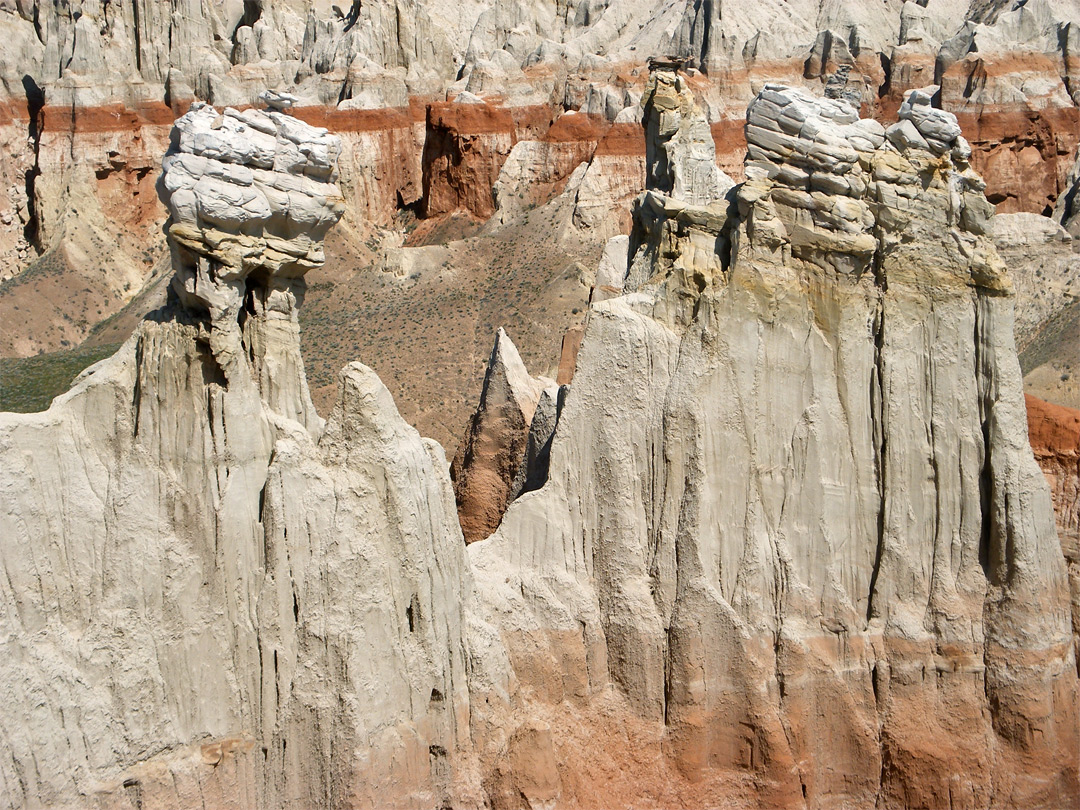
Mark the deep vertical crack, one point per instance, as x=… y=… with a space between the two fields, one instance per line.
x=35 y=102
x=877 y=416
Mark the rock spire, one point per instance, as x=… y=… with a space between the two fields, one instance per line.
x=791 y=510
x=209 y=597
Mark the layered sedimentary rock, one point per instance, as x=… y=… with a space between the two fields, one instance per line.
x=1007 y=71
x=791 y=503
x=105 y=82
x=791 y=546
x=15 y=171
x=535 y=170
x=1055 y=438
x=230 y=604
x=468 y=142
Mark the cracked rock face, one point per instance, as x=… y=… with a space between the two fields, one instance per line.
x=208 y=596
x=1055 y=438
x=791 y=514
x=792 y=547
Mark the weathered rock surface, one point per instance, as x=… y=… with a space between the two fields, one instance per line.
x=532 y=472
x=95 y=88
x=790 y=497
x=793 y=548
x=1044 y=265
x=1007 y=72
x=1055 y=438
x=1067 y=209
x=229 y=604
x=496 y=442
x=468 y=142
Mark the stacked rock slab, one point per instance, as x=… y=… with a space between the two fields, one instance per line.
x=791 y=513
x=208 y=599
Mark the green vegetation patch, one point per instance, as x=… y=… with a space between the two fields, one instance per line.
x=28 y=384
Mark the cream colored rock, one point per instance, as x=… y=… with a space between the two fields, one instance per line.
x=680 y=157
x=603 y=191
x=532 y=471
x=1044 y=267
x=611 y=272
x=791 y=504
x=230 y=604
x=789 y=498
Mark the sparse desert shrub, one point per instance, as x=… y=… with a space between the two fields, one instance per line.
x=28 y=385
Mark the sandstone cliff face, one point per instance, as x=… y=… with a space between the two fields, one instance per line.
x=1055 y=438
x=231 y=605
x=467 y=144
x=790 y=498
x=792 y=549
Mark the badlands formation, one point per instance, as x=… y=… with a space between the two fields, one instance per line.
x=782 y=542
x=479 y=119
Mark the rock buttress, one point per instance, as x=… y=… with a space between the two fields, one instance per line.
x=792 y=522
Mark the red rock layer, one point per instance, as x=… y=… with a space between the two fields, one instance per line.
x=380 y=159
x=622 y=139
x=107 y=117
x=1023 y=143
x=1054 y=432
x=465 y=147
x=1024 y=155
x=730 y=139
x=571 y=345
x=450 y=154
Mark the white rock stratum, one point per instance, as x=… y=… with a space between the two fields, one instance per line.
x=793 y=548
x=792 y=514
x=229 y=604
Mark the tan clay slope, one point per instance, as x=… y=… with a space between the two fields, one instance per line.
x=424 y=317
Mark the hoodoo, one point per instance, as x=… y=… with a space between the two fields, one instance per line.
x=209 y=597
x=792 y=517
x=790 y=546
